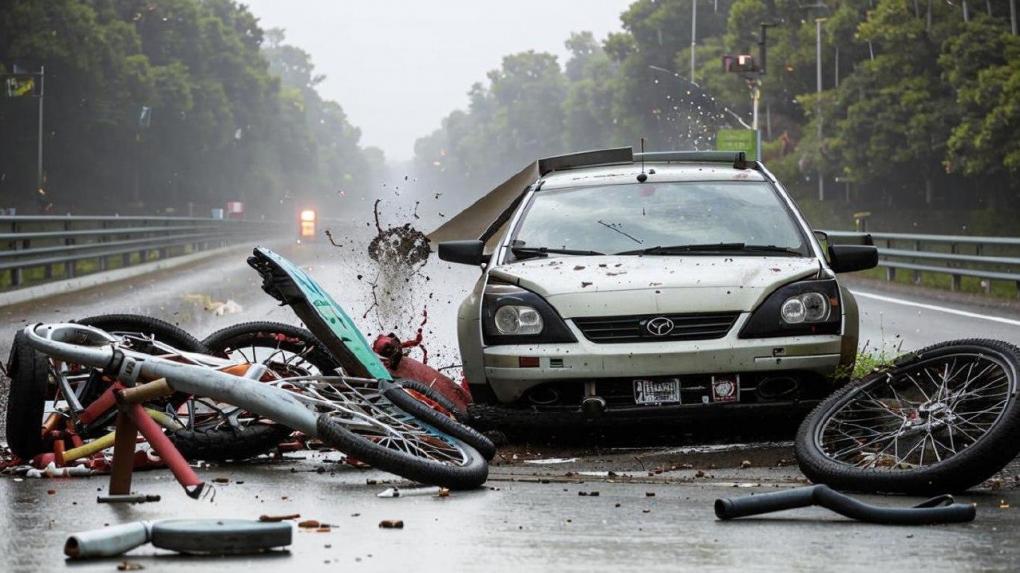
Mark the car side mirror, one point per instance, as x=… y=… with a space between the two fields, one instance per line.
x=463 y=252
x=850 y=258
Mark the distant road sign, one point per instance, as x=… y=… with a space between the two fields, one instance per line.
x=20 y=86
x=737 y=140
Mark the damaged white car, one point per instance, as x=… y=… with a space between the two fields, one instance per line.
x=621 y=286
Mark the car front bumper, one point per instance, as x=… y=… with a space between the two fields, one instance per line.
x=583 y=361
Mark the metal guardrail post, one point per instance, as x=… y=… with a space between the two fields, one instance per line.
x=917 y=274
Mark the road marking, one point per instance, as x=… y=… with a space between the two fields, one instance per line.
x=938 y=308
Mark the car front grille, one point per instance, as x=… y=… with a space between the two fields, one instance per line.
x=656 y=327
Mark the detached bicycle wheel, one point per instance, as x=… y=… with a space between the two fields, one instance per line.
x=942 y=419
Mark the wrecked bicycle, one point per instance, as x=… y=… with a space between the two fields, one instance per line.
x=348 y=413
x=387 y=403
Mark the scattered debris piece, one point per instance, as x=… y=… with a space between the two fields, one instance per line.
x=551 y=461
x=129 y=566
x=208 y=536
x=275 y=518
x=309 y=524
x=128 y=498
x=391 y=524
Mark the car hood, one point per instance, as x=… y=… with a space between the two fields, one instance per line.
x=633 y=285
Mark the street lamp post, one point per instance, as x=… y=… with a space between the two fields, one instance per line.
x=818 y=101
x=39 y=154
x=694 y=31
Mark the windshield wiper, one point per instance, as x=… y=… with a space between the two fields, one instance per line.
x=546 y=251
x=712 y=248
x=773 y=249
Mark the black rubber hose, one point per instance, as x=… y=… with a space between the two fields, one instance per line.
x=939 y=509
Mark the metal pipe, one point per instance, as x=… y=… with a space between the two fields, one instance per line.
x=109 y=541
x=90 y=448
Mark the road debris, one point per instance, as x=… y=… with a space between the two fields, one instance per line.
x=127 y=498
x=550 y=461
x=218 y=308
x=414 y=491
x=391 y=524
x=940 y=509
x=276 y=518
x=203 y=536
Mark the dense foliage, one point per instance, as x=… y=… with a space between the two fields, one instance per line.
x=233 y=113
x=920 y=104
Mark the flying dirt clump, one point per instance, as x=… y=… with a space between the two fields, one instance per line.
x=402 y=246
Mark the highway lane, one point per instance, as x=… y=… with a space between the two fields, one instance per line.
x=894 y=321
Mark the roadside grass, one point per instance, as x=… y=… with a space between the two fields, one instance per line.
x=868 y=362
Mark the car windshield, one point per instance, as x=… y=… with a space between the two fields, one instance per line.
x=704 y=217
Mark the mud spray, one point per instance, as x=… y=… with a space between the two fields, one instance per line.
x=401 y=288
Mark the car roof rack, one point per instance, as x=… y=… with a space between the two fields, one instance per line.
x=611 y=156
x=620 y=155
x=736 y=158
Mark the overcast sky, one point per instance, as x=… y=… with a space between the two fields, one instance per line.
x=398 y=66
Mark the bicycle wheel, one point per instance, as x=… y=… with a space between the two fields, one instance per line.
x=942 y=419
x=440 y=420
x=357 y=419
x=223 y=432
x=26 y=398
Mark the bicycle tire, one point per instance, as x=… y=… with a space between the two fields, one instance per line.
x=215 y=444
x=469 y=475
x=244 y=334
x=26 y=399
x=973 y=464
x=411 y=405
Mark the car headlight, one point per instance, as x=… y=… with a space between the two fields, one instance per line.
x=513 y=320
x=513 y=315
x=805 y=307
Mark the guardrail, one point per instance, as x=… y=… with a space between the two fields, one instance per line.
x=39 y=249
x=988 y=258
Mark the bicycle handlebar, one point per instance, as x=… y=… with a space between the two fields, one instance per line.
x=941 y=509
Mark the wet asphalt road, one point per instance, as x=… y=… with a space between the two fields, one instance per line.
x=519 y=523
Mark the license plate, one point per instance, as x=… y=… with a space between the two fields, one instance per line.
x=657 y=391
